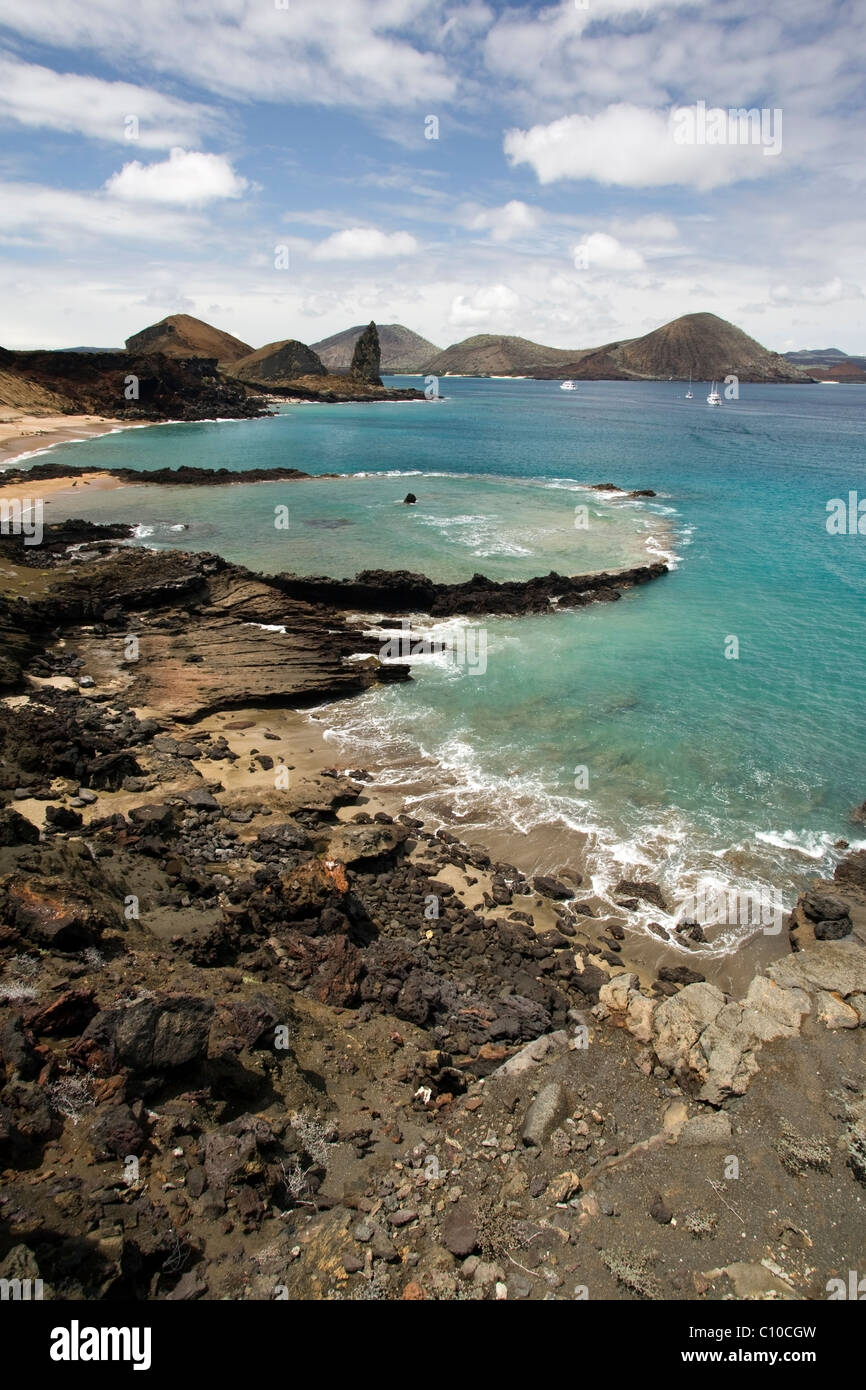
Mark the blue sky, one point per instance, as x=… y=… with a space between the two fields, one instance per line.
x=264 y=165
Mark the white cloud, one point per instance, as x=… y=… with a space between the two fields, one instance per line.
x=633 y=147
x=363 y=53
x=599 y=251
x=186 y=178
x=40 y=98
x=831 y=292
x=32 y=213
x=512 y=220
x=365 y=244
x=649 y=230
x=485 y=306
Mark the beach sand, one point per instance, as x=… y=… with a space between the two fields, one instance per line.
x=22 y=434
x=60 y=490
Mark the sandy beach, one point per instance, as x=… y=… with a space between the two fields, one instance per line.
x=22 y=434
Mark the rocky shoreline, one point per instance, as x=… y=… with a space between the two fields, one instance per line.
x=263 y=1038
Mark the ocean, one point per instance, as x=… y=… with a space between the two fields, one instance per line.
x=705 y=731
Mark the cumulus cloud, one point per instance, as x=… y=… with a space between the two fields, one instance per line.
x=35 y=96
x=599 y=251
x=634 y=147
x=485 y=306
x=365 y=244
x=512 y=220
x=33 y=213
x=186 y=178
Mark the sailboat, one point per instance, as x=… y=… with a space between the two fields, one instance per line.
x=714 y=398
x=690 y=395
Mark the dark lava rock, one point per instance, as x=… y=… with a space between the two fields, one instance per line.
x=107 y=772
x=550 y=887
x=821 y=907
x=151 y=1035
x=660 y=1211
x=636 y=888
x=16 y=829
x=116 y=1132
x=17 y=1051
x=680 y=975
x=51 y=916
x=62 y=818
x=833 y=930
x=64 y=1017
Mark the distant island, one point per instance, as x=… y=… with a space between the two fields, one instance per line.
x=185 y=369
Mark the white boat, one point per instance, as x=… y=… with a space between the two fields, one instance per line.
x=714 y=398
x=690 y=395
x=568 y=386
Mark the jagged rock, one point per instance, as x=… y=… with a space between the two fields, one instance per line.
x=679 y=1022
x=355 y=844
x=834 y=1012
x=636 y=888
x=61 y=917
x=116 y=1132
x=852 y=870
x=16 y=829
x=615 y=994
x=153 y=1035
x=108 y=771
x=838 y=967
x=366 y=359
x=65 y=1016
x=17 y=1051
x=550 y=887
x=229 y=1150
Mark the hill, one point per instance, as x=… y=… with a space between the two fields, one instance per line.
x=180 y=335
x=491 y=354
x=402 y=350
x=701 y=345
x=829 y=364
x=80 y=383
x=277 y=364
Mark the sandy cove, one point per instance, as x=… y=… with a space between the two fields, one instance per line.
x=21 y=434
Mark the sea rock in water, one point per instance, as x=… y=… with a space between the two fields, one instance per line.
x=410 y=498
x=367 y=357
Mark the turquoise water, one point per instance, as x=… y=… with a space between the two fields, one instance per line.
x=697 y=766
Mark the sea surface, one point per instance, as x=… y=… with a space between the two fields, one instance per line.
x=707 y=730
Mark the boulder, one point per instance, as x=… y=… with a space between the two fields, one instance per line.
x=550 y=887
x=116 y=1132
x=836 y=966
x=638 y=888
x=544 y=1114
x=16 y=829
x=152 y=1035
x=357 y=844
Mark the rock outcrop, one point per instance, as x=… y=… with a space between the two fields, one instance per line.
x=367 y=357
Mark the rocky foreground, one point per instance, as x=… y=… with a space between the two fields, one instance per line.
x=263 y=1039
